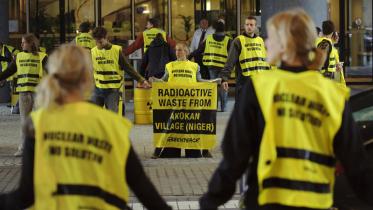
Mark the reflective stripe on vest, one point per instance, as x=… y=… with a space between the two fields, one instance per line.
x=253 y=55
x=79 y=161
x=150 y=34
x=216 y=53
x=107 y=72
x=182 y=71
x=29 y=71
x=85 y=40
x=296 y=160
x=332 y=57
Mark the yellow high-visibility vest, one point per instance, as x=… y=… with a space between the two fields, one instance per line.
x=29 y=70
x=107 y=72
x=253 y=55
x=85 y=40
x=216 y=52
x=182 y=71
x=296 y=159
x=150 y=34
x=43 y=49
x=4 y=64
x=81 y=153
x=332 y=56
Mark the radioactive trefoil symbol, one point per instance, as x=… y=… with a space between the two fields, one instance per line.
x=149 y=104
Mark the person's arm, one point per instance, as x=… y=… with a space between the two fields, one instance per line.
x=12 y=69
x=6 y=58
x=144 y=63
x=195 y=39
x=199 y=76
x=140 y=184
x=129 y=69
x=165 y=76
x=229 y=44
x=198 y=51
x=44 y=63
x=233 y=56
x=23 y=196
x=349 y=150
x=139 y=43
x=239 y=144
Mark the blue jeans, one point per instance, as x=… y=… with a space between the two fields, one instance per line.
x=222 y=94
x=107 y=97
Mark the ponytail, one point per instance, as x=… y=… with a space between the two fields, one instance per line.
x=49 y=92
x=316 y=59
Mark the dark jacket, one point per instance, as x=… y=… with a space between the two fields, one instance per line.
x=240 y=145
x=156 y=57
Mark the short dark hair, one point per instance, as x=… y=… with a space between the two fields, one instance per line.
x=318 y=30
x=251 y=18
x=99 y=33
x=84 y=27
x=218 y=26
x=328 y=27
x=154 y=22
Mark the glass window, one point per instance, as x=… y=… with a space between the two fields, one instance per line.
x=249 y=8
x=45 y=21
x=217 y=9
x=116 y=18
x=183 y=20
x=229 y=14
x=17 y=22
x=359 y=37
x=150 y=9
x=77 y=12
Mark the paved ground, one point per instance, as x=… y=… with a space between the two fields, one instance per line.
x=180 y=181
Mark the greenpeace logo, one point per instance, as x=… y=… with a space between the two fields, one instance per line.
x=183 y=140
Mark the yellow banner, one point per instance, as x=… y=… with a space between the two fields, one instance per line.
x=184 y=115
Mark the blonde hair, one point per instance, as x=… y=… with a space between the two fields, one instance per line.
x=70 y=69
x=184 y=46
x=296 y=33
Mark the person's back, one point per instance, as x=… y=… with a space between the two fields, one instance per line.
x=84 y=38
x=76 y=153
x=325 y=43
x=157 y=56
x=289 y=128
x=297 y=168
x=78 y=149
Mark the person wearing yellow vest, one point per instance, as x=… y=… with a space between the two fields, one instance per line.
x=215 y=54
x=248 y=54
x=84 y=38
x=77 y=155
x=29 y=67
x=289 y=128
x=325 y=42
x=181 y=71
x=108 y=66
x=144 y=39
x=7 y=53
